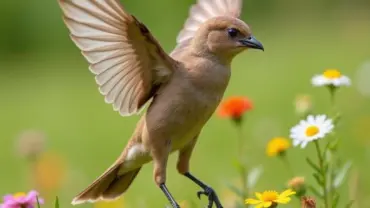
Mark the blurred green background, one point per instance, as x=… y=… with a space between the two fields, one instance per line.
x=45 y=85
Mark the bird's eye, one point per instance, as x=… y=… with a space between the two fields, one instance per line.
x=232 y=32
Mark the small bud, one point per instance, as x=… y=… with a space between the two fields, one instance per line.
x=298 y=185
x=30 y=144
x=308 y=202
x=303 y=105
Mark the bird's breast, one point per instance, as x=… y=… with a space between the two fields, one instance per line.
x=179 y=112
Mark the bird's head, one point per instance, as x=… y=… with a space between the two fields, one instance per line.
x=225 y=37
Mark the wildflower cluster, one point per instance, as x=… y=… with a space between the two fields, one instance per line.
x=328 y=172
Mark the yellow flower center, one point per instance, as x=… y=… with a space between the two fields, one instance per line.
x=19 y=194
x=332 y=74
x=312 y=131
x=269 y=196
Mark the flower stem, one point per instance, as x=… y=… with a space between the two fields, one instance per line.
x=240 y=142
x=323 y=173
x=332 y=90
x=243 y=173
x=287 y=164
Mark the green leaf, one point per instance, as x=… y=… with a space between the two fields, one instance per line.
x=253 y=176
x=38 y=202
x=337 y=118
x=313 y=165
x=239 y=167
x=328 y=156
x=349 y=205
x=56 y=202
x=319 y=179
x=335 y=200
x=339 y=178
x=316 y=192
x=236 y=190
x=333 y=145
x=327 y=153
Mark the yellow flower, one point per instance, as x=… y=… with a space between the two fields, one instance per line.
x=118 y=203
x=270 y=198
x=50 y=171
x=277 y=146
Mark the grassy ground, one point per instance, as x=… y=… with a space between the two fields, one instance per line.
x=59 y=96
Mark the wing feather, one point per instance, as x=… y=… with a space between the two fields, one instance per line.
x=204 y=10
x=126 y=59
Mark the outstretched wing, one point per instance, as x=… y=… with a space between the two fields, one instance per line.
x=204 y=10
x=128 y=62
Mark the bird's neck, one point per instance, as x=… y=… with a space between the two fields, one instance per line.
x=221 y=59
x=208 y=72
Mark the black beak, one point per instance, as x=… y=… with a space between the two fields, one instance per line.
x=252 y=42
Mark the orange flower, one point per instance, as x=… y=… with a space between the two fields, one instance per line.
x=235 y=107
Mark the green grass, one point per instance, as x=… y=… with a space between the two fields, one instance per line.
x=56 y=93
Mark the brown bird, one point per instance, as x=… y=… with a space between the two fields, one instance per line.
x=182 y=88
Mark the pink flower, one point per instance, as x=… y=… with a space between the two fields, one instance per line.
x=21 y=200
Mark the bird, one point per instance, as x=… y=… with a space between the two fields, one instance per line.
x=180 y=90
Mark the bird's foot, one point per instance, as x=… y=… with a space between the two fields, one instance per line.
x=212 y=197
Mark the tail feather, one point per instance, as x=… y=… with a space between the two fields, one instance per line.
x=108 y=186
x=120 y=185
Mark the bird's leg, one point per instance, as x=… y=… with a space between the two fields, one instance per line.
x=183 y=168
x=208 y=191
x=160 y=152
x=169 y=196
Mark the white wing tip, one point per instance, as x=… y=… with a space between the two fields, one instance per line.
x=77 y=201
x=125 y=114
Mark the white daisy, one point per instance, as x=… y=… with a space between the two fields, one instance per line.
x=331 y=77
x=314 y=127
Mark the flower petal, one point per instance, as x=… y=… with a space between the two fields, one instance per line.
x=8 y=197
x=267 y=204
x=252 y=201
x=296 y=142
x=284 y=200
x=304 y=144
x=259 y=206
x=259 y=196
x=287 y=193
x=31 y=197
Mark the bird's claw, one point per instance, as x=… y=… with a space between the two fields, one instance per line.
x=212 y=197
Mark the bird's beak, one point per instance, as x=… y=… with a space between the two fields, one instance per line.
x=252 y=42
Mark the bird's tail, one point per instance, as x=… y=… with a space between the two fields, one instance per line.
x=108 y=186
